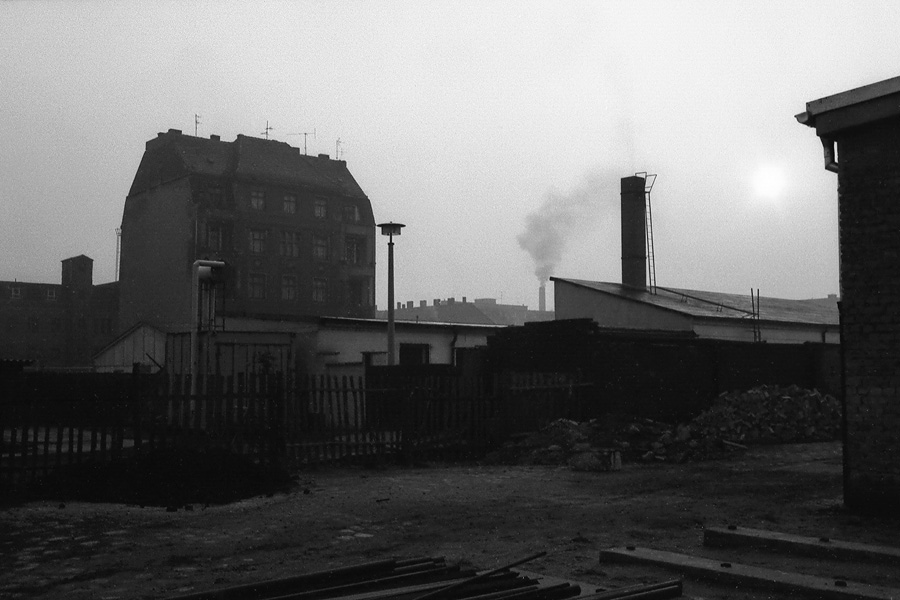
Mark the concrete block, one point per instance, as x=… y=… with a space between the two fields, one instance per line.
x=746 y=537
x=747 y=576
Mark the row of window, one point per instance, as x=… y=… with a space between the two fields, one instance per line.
x=290 y=243
x=257 y=289
x=15 y=293
x=289 y=204
x=320 y=208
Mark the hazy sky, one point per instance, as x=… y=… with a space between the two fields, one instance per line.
x=459 y=119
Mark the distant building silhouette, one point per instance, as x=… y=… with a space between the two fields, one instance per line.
x=58 y=325
x=481 y=311
x=296 y=232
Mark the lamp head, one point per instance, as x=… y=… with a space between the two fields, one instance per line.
x=391 y=228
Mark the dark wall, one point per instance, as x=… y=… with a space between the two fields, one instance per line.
x=869 y=220
x=659 y=375
x=55 y=325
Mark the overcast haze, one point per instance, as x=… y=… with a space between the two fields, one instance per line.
x=459 y=119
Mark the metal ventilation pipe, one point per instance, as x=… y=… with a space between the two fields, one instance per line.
x=634 y=233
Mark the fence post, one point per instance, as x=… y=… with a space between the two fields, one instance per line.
x=277 y=446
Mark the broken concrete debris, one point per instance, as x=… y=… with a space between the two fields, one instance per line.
x=762 y=415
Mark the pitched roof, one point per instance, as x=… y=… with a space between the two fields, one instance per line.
x=717 y=305
x=173 y=155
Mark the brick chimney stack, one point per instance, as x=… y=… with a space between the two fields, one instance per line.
x=634 y=233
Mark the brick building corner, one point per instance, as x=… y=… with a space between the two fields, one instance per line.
x=860 y=134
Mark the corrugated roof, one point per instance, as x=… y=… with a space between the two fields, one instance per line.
x=717 y=305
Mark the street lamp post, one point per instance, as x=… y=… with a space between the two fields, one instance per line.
x=391 y=229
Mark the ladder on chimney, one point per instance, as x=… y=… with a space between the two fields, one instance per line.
x=649 y=180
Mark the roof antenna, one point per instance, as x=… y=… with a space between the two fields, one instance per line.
x=196 y=123
x=305 y=134
x=268 y=129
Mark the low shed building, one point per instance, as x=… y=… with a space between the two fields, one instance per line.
x=710 y=315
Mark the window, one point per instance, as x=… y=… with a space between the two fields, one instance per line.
x=15 y=293
x=258 y=241
x=258 y=200
x=353 y=251
x=320 y=247
x=214 y=237
x=290 y=204
x=414 y=354
x=351 y=213
x=320 y=208
x=319 y=290
x=51 y=295
x=358 y=292
x=288 y=287
x=215 y=196
x=290 y=244
x=256 y=288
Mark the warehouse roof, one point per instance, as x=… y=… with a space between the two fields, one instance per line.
x=717 y=305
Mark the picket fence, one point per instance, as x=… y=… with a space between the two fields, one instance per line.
x=272 y=420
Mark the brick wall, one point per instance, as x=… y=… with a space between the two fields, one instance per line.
x=869 y=220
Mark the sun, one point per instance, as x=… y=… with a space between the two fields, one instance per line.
x=769 y=183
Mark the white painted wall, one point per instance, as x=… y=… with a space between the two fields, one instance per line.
x=137 y=347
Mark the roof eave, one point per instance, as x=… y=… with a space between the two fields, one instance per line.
x=853 y=108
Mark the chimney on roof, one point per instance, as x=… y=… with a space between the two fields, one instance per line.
x=542 y=298
x=325 y=156
x=634 y=232
x=464 y=299
x=451 y=300
x=423 y=303
x=437 y=301
x=175 y=131
x=214 y=138
x=409 y=304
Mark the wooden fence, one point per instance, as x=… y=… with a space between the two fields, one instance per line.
x=274 y=421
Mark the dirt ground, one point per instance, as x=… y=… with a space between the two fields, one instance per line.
x=481 y=516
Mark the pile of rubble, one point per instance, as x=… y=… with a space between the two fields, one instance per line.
x=762 y=415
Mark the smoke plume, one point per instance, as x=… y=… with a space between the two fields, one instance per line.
x=562 y=216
